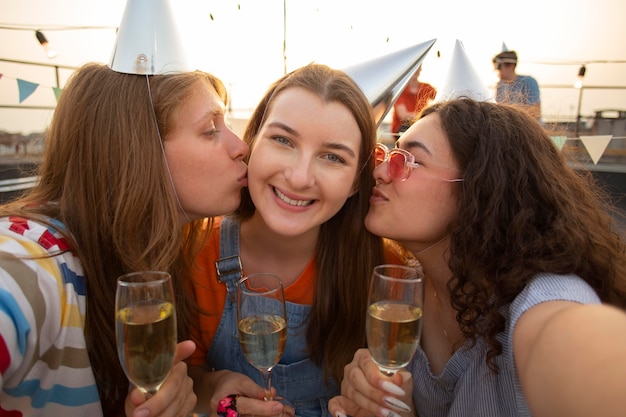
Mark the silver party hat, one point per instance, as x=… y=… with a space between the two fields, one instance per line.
x=147 y=40
x=462 y=79
x=383 y=79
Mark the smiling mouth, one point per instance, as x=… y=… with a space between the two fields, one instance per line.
x=295 y=203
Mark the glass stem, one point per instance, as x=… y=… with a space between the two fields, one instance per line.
x=148 y=393
x=267 y=375
x=387 y=373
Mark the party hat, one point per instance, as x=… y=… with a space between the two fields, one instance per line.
x=383 y=79
x=147 y=40
x=462 y=79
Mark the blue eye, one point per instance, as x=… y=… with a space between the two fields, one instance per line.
x=282 y=140
x=335 y=158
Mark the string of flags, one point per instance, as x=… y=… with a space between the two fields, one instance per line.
x=595 y=145
x=27 y=88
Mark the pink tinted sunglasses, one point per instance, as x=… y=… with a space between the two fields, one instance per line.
x=400 y=163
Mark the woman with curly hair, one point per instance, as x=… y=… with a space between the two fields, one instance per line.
x=525 y=274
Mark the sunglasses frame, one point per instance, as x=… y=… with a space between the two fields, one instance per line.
x=409 y=163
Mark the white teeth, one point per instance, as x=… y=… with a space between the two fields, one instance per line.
x=291 y=202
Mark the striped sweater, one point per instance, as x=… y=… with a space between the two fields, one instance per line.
x=44 y=366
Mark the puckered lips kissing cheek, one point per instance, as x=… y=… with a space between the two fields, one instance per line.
x=243 y=179
x=378 y=196
x=292 y=201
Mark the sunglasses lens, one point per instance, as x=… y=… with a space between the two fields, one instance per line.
x=397 y=163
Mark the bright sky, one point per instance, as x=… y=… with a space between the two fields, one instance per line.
x=243 y=43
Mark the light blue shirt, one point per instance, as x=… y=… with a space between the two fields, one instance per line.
x=467 y=387
x=523 y=90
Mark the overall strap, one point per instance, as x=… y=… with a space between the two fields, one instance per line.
x=228 y=267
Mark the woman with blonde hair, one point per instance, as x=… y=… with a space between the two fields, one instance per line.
x=132 y=166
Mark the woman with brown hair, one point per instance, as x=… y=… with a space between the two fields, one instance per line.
x=132 y=166
x=301 y=218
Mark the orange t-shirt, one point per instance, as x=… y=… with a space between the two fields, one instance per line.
x=211 y=294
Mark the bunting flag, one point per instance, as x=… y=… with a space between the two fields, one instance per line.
x=559 y=141
x=57 y=93
x=26 y=88
x=596 y=145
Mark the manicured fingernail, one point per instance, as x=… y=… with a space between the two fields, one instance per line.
x=396 y=403
x=144 y=412
x=340 y=414
x=392 y=388
x=388 y=413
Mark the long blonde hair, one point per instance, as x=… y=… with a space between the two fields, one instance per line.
x=104 y=176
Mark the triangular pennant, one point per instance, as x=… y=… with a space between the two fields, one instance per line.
x=57 y=93
x=26 y=88
x=559 y=141
x=596 y=145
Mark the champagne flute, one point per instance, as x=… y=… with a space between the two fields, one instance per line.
x=394 y=315
x=145 y=328
x=262 y=323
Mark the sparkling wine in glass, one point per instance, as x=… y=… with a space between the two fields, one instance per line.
x=262 y=323
x=145 y=328
x=394 y=315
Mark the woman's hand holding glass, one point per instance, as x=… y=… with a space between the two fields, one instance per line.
x=175 y=398
x=372 y=383
x=146 y=341
x=262 y=323
x=251 y=400
x=145 y=328
x=394 y=315
x=366 y=391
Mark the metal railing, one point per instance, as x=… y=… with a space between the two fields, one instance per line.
x=18 y=184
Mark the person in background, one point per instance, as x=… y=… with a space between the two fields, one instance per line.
x=133 y=164
x=525 y=275
x=521 y=90
x=301 y=218
x=415 y=96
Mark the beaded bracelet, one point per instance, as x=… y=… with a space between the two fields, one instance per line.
x=227 y=406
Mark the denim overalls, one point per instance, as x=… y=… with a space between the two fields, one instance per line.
x=296 y=378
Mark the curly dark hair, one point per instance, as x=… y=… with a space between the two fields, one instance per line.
x=523 y=210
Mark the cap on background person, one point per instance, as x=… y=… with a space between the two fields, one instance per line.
x=505 y=57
